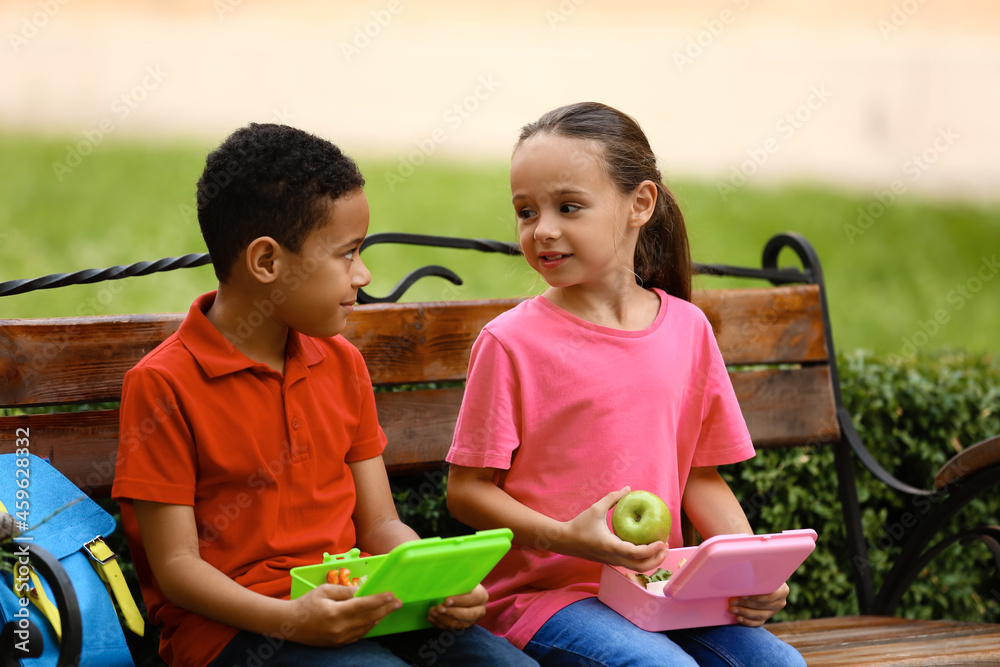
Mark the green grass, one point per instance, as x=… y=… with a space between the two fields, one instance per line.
x=920 y=272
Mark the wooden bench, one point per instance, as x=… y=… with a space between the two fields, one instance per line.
x=776 y=339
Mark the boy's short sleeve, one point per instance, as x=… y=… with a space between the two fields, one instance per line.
x=370 y=439
x=486 y=432
x=156 y=453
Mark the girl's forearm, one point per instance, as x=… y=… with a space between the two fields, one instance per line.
x=711 y=506
x=477 y=502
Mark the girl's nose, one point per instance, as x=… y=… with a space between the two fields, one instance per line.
x=545 y=229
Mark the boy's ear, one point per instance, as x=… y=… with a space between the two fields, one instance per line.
x=643 y=204
x=263 y=256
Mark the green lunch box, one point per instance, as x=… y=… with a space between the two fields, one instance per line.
x=421 y=574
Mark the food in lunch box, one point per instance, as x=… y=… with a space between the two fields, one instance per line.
x=342 y=577
x=644 y=579
x=659 y=575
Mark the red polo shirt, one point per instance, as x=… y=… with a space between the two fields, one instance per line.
x=260 y=456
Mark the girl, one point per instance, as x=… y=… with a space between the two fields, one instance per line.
x=610 y=379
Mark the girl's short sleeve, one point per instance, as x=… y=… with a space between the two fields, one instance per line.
x=488 y=429
x=724 y=437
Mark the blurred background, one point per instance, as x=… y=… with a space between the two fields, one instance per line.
x=868 y=126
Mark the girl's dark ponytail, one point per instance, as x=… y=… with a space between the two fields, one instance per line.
x=662 y=256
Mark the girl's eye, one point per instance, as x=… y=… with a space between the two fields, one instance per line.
x=525 y=213
x=569 y=208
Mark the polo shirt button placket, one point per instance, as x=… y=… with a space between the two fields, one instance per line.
x=298 y=450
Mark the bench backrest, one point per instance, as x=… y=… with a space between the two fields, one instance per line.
x=772 y=337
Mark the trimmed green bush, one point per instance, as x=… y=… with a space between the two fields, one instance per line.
x=913 y=415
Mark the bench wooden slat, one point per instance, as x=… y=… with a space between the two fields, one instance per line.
x=409 y=343
x=62 y=361
x=969 y=461
x=775 y=325
x=849 y=641
x=420 y=424
x=83 y=446
x=76 y=360
x=784 y=408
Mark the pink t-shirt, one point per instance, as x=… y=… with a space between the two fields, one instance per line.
x=568 y=411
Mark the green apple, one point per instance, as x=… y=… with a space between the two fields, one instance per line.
x=641 y=517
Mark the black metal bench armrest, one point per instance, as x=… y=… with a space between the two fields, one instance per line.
x=850 y=434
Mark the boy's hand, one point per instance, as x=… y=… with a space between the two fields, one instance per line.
x=589 y=537
x=460 y=611
x=754 y=610
x=330 y=615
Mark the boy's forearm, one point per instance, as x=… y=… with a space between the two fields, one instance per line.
x=170 y=539
x=197 y=586
x=386 y=536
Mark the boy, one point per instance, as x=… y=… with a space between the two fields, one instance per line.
x=249 y=439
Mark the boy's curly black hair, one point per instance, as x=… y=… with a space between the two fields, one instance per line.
x=268 y=180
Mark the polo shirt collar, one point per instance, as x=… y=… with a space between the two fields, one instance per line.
x=217 y=356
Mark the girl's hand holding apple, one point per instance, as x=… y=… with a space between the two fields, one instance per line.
x=587 y=536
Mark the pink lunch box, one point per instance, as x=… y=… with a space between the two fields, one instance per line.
x=697 y=594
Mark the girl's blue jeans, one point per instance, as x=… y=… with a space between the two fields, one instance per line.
x=460 y=648
x=588 y=633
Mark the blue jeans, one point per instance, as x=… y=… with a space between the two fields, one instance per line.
x=589 y=633
x=472 y=646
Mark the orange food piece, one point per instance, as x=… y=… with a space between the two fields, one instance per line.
x=332 y=576
x=345 y=577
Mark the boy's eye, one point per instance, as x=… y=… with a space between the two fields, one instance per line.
x=525 y=213
x=569 y=208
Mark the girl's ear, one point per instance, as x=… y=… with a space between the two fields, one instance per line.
x=263 y=257
x=643 y=203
